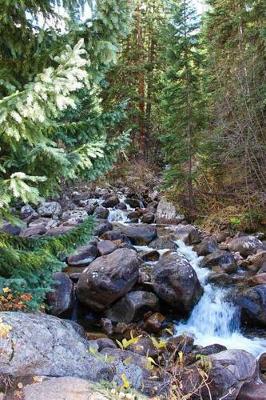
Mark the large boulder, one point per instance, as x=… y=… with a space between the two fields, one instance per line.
x=106 y=247
x=66 y=388
x=133 y=306
x=108 y=278
x=60 y=299
x=245 y=245
x=50 y=209
x=229 y=370
x=83 y=256
x=74 y=217
x=110 y=201
x=206 y=246
x=189 y=234
x=101 y=212
x=167 y=214
x=137 y=234
x=175 y=281
x=220 y=261
x=40 y=344
x=252 y=391
x=253 y=305
x=166 y=241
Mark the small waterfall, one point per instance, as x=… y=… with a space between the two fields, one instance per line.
x=116 y=215
x=214 y=319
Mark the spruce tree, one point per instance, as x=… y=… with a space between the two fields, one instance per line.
x=182 y=100
x=52 y=125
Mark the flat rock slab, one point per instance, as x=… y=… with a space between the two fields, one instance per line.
x=43 y=345
x=68 y=388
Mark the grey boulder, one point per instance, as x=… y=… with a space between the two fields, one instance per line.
x=108 y=278
x=175 y=281
x=40 y=344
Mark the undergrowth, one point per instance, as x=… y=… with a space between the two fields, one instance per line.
x=27 y=265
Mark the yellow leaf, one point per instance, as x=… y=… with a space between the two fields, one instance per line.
x=4 y=329
x=6 y=290
x=126 y=383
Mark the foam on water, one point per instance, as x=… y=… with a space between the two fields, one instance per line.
x=215 y=319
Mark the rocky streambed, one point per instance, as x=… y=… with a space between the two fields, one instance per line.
x=150 y=303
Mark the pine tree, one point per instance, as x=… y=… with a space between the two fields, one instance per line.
x=135 y=77
x=52 y=125
x=182 y=100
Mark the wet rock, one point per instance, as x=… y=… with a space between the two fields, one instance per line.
x=137 y=234
x=164 y=242
x=154 y=323
x=150 y=255
x=106 y=247
x=148 y=218
x=133 y=306
x=60 y=299
x=65 y=388
x=253 y=305
x=207 y=246
x=111 y=201
x=252 y=391
x=74 y=217
x=220 y=259
x=50 y=209
x=134 y=215
x=230 y=369
x=175 y=281
x=40 y=344
x=101 y=212
x=108 y=278
x=187 y=233
x=245 y=245
x=133 y=202
x=167 y=214
x=121 y=206
x=212 y=349
x=83 y=256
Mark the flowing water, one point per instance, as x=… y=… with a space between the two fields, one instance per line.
x=214 y=319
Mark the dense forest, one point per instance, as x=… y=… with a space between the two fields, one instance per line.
x=118 y=119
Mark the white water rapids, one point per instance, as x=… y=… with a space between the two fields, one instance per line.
x=214 y=320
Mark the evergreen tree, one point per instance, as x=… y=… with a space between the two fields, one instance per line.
x=136 y=75
x=182 y=100
x=236 y=46
x=52 y=125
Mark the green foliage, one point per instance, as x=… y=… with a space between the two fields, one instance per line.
x=27 y=265
x=51 y=92
x=182 y=98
